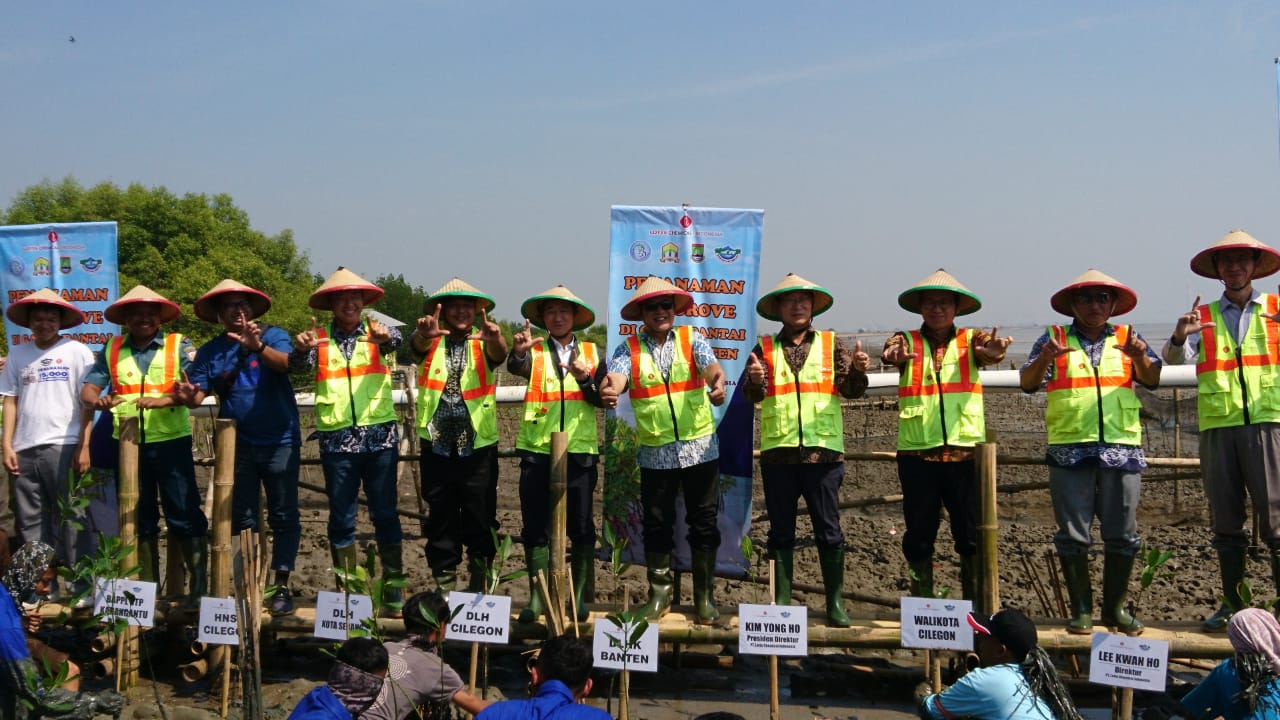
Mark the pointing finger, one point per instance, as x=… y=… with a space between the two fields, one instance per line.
x=1195 y=304
x=527 y=324
x=857 y=346
x=314 y=325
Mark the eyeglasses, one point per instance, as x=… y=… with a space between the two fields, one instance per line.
x=659 y=305
x=1102 y=297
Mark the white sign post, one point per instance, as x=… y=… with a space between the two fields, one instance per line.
x=132 y=600
x=611 y=650
x=936 y=624
x=484 y=618
x=773 y=629
x=218 y=621
x=334 y=618
x=1131 y=662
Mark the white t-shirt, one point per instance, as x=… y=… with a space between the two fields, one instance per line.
x=47 y=385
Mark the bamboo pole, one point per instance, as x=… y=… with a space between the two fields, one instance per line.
x=194 y=670
x=411 y=434
x=1177 y=448
x=775 y=710
x=248 y=626
x=1122 y=704
x=224 y=478
x=559 y=523
x=127 y=651
x=988 y=528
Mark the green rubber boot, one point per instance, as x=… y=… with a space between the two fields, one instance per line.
x=784 y=568
x=344 y=558
x=1116 y=570
x=1075 y=574
x=704 y=581
x=969 y=577
x=537 y=558
x=195 y=553
x=149 y=559
x=582 y=563
x=477 y=574
x=1231 y=565
x=832 y=561
x=921 y=578
x=392 y=569
x=661 y=584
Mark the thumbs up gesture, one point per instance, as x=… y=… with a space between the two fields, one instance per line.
x=755 y=370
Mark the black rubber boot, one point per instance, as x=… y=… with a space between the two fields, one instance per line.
x=1231 y=565
x=537 y=559
x=832 y=561
x=704 y=581
x=392 y=569
x=969 y=577
x=783 y=571
x=921 y=578
x=1116 y=570
x=148 y=549
x=195 y=553
x=1075 y=574
x=661 y=582
x=582 y=563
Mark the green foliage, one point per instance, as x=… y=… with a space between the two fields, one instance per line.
x=753 y=560
x=617 y=546
x=493 y=575
x=364 y=580
x=1153 y=560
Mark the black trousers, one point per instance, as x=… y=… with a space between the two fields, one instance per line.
x=462 y=506
x=535 y=498
x=701 y=487
x=819 y=485
x=927 y=487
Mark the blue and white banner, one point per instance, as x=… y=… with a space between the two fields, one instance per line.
x=76 y=260
x=714 y=253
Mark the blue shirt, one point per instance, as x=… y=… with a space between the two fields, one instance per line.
x=1213 y=696
x=258 y=398
x=553 y=701
x=998 y=692
x=320 y=704
x=13 y=640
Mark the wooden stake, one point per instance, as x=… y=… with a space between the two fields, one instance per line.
x=127 y=651
x=624 y=683
x=988 y=599
x=224 y=479
x=559 y=523
x=775 y=710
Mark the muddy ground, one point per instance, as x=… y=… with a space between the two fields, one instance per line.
x=831 y=683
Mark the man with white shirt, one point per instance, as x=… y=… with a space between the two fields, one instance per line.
x=1238 y=403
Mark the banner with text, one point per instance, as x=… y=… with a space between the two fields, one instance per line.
x=714 y=253
x=76 y=260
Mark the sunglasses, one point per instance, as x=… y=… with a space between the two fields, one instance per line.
x=659 y=305
x=1103 y=297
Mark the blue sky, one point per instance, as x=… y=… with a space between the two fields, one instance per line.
x=1015 y=144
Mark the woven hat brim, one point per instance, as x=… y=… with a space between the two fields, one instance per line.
x=323 y=299
x=767 y=306
x=966 y=302
x=1126 y=299
x=483 y=302
x=583 y=316
x=169 y=310
x=1268 y=260
x=19 y=313
x=634 y=311
x=206 y=308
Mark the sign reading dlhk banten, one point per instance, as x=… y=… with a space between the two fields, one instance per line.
x=483 y=618
x=612 y=648
x=334 y=618
x=936 y=623
x=132 y=600
x=218 y=621
x=773 y=630
x=1131 y=662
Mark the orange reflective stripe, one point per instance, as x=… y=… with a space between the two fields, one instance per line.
x=375 y=366
x=538 y=374
x=633 y=344
x=917 y=387
x=684 y=336
x=774 y=389
x=1211 y=361
x=1063 y=380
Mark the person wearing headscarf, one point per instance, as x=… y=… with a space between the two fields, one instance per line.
x=1089 y=369
x=355 y=680
x=1247 y=685
x=28 y=576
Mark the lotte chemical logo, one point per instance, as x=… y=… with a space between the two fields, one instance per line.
x=686 y=221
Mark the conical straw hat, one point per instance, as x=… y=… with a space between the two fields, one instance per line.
x=460 y=289
x=583 y=315
x=966 y=301
x=654 y=286
x=169 y=310
x=767 y=307
x=1126 y=299
x=19 y=312
x=207 y=306
x=1268 y=258
x=340 y=281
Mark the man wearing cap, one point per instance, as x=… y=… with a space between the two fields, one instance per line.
x=355 y=420
x=1239 y=409
x=564 y=374
x=1016 y=680
x=673 y=378
x=1094 y=453
x=940 y=420
x=144 y=368
x=798 y=376
x=45 y=425
x=458 y=425
x=247 y=367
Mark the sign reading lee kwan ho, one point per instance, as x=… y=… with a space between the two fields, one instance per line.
x=773 y=630
x=936 y=624
x=483 y=618
x=610 y=648
x=1131 y=662
x=218 y=621
x=333 y=620
x=132 y=600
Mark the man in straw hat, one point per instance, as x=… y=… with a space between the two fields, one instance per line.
x=144 y=368
x=458 y=424
x=564 y=374
x=1095 y=453
x=247 y=367
x=674 y=379
x=1236 y=365
x=940 y=420
x=46 y=427
x=355 y=419
x=799 y=376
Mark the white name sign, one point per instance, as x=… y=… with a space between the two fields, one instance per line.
x=483 y=618
x=218 y=621
x=936 y=623
x=132 y=600
x=1132 y=662
x=334 y=618
x=773 y=629
x=610 y=649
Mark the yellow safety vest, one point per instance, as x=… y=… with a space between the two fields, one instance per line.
x=676 y=408
x=552 y=405
x=1088 y=404
x=351 y=392
x=128 y=381
x=479 y=388
x=943 y=407
x=1237 y=383
x=801 y=410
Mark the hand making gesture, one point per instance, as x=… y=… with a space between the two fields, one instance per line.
x=861 y=360
x=523 y=340
x=309 y=339
x=1189 y=324
x=993 y=350
x=896 y=353
x=755 y=370
x=429 y=325
x=250 y=338
x=1134 y=346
